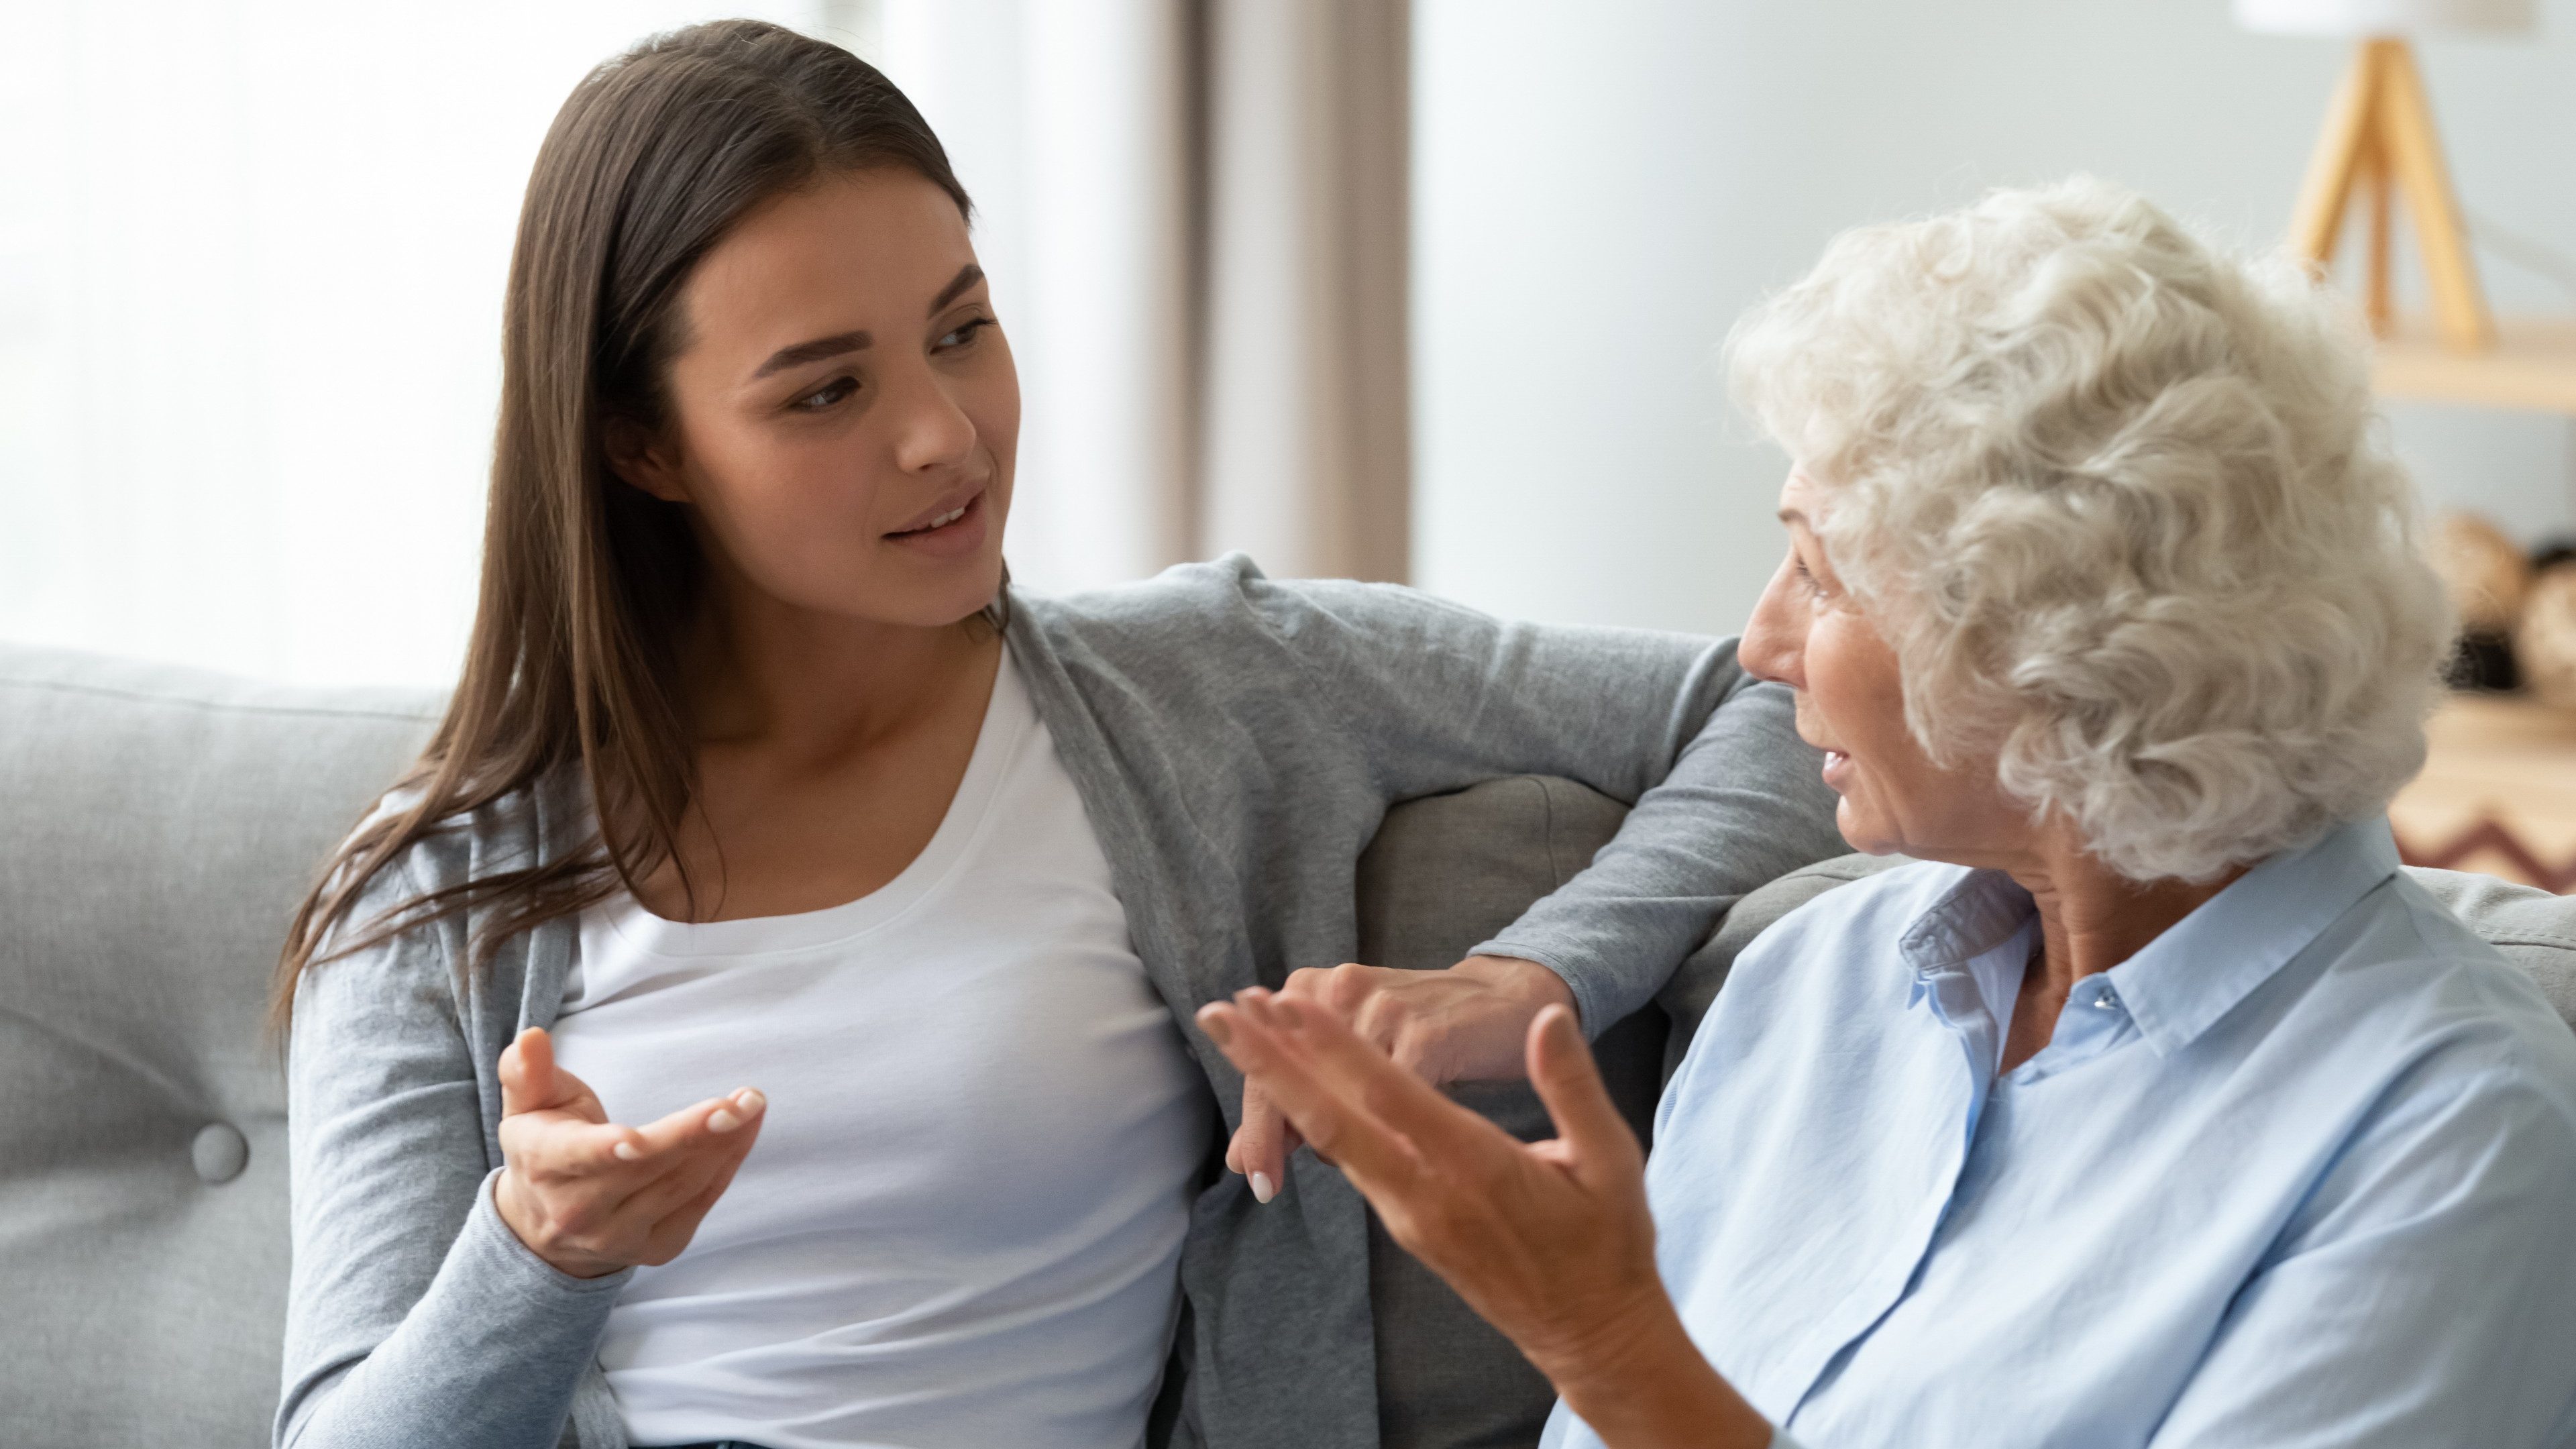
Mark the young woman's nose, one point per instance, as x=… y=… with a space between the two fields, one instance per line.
x=930 y=430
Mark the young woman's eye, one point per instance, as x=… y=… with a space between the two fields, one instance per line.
x=964 y=333
x=825 y=396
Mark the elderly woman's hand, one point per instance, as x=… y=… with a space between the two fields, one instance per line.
x=1550 y=1241
x=1464 y=1024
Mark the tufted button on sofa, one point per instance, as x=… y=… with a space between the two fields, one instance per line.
x=157 y=827
x=220 y=1152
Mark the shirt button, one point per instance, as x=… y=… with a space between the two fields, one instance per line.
x=2109 y=1000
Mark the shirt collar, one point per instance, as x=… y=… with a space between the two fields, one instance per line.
x=2207 y=962
x=1981 y=910
x=2204 y=964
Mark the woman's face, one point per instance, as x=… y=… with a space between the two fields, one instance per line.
x=1808 y=633
x=843 y=406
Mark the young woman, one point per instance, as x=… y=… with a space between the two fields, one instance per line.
x=763 y=797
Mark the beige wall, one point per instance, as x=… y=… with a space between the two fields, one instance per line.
x=1600 y=188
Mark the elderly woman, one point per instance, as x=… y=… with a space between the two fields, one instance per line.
x=2153 y=1105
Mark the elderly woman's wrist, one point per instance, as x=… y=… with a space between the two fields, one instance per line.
x=1640 y=1383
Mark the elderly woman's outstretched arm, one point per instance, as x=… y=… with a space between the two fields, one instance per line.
x=1550 y=1241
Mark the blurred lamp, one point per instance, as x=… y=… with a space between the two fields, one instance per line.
x=2379 y=137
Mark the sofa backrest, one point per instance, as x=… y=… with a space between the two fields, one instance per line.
x=156 y=829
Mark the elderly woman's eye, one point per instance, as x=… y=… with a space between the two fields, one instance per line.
x=825 y=396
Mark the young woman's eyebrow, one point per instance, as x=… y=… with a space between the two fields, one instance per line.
x=957 y=285
x=814 y=351
x=840 y=342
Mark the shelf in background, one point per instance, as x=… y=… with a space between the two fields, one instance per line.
x=2497 y=794
x=2532 y=366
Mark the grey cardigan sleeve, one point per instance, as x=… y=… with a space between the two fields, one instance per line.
x=1725 y=796
x=415 y=1317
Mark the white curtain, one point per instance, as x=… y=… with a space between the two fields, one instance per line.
x=252 y=252
x=251 y=263
x=1306 y=446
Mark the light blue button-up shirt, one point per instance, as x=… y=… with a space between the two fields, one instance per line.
x=2300 y=1173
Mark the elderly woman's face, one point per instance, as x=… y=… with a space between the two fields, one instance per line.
x=1810 y=635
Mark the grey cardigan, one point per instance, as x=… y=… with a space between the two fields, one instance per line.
x=1236 y=742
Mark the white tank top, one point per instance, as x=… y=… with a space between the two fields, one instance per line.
x=962 y=1223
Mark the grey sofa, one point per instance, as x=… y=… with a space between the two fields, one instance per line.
x=156 y=826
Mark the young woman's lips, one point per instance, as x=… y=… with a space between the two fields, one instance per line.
x=958 y=534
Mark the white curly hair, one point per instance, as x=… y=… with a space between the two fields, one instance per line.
x=2122 y=506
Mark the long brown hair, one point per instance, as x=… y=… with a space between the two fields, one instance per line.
x=587 y=582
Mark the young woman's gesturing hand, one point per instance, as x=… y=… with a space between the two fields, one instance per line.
x=1550 y=1241
x=591 y=1196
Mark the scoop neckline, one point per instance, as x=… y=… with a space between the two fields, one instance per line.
x=1008 y=715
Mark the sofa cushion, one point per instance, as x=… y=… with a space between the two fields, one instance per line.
x=160 y=825
x=2534 y=929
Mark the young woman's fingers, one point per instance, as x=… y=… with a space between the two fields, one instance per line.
x=1569 y=1085
x=1260 y=1147
x=566 y=1140
x=533 y=1081
x=715 y=1117
x=556 y=1143
x=685 y=1174
x=527 y=1073
x=1328 y=1113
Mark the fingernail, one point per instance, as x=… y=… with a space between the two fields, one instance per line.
x=750 y=1101
x=1262 y=1189
x=1219 y=1030
x=627 y=1152
x=722 y=1120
